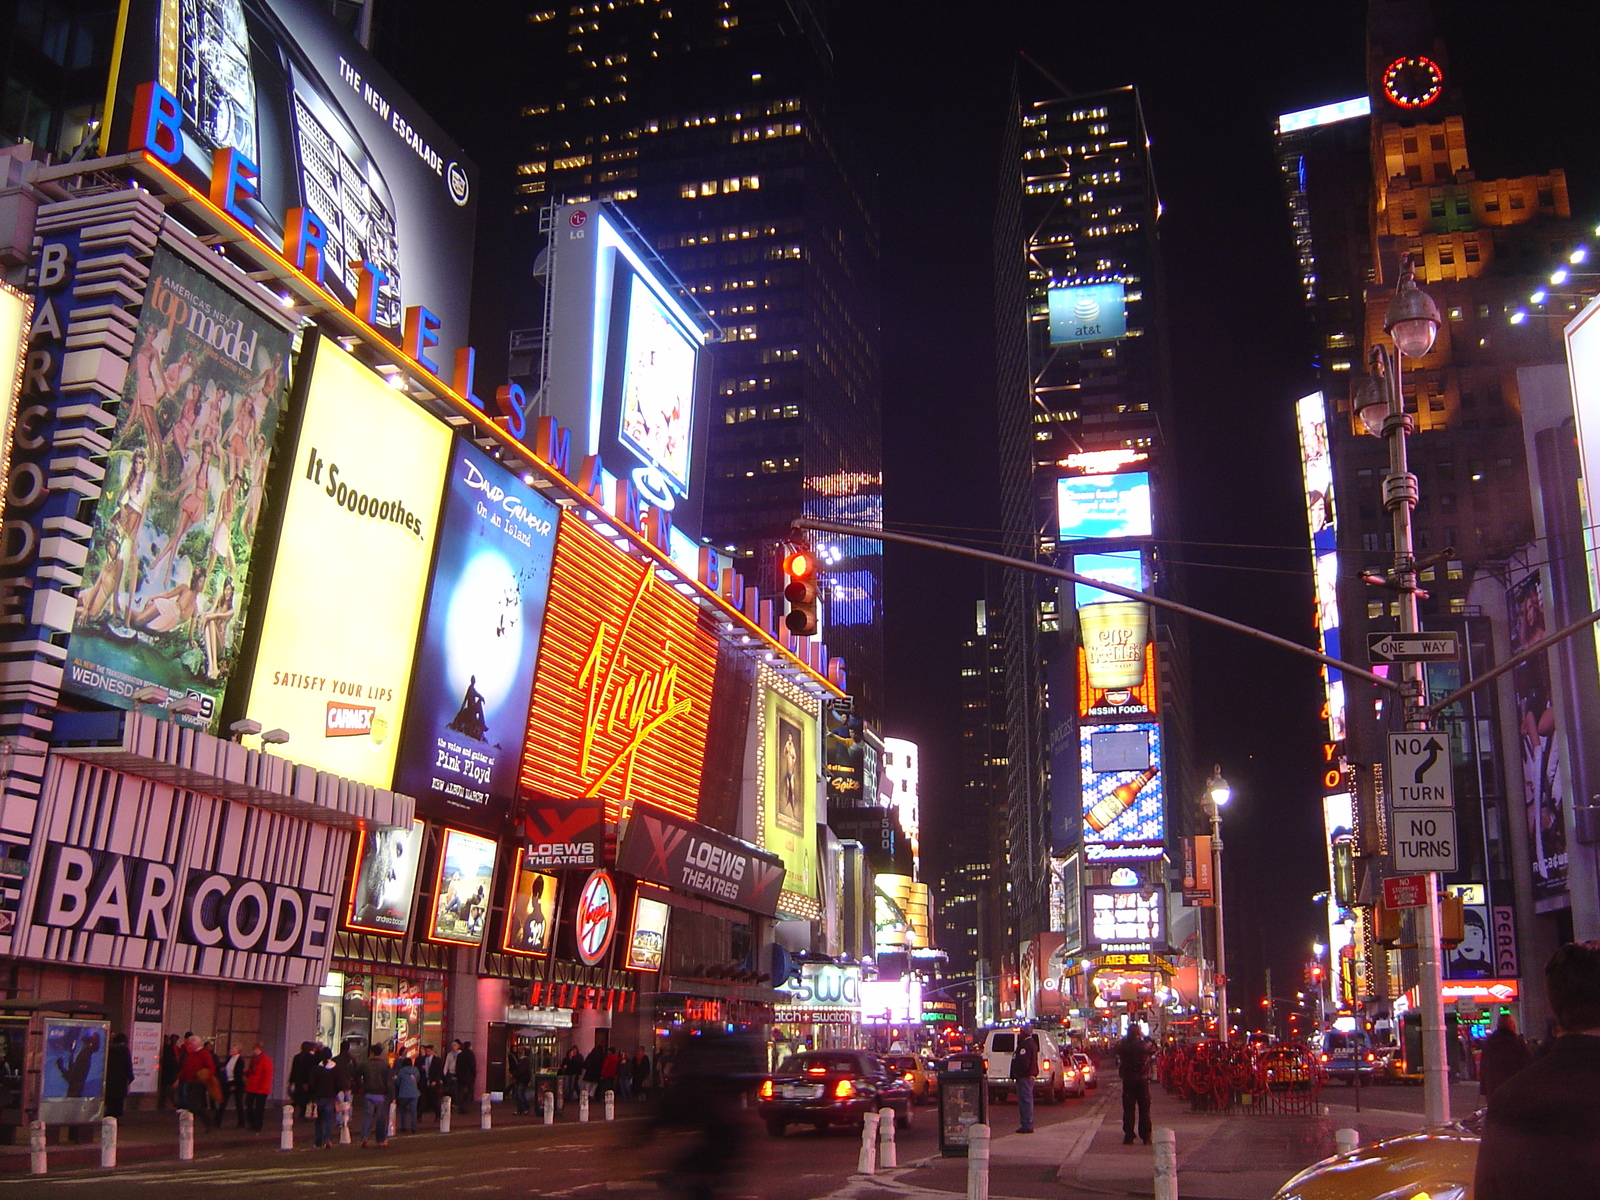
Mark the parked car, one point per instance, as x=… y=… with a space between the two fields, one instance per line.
x=923 y=1077
x=1058 y=1078
x=1087 y=1071
x=1438 y=1162
x=832 y=1087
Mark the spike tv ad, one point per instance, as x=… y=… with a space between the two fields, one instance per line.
x=468 y=711
x=357 y=538
x=327 y=129
x=169 y=561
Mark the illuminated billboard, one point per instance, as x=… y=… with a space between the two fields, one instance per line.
x=531 y=911
x=657 y=388
x=1125 y=568
x=787 y=770
x=1583 y=367
x=1114 y=636
x=353 y=554
x=1104 y=506
x=1134 y=703
x=1124 y=918
x=622 y=692
x=385 y=879
x=463 y=888
x=1091 y=312
x=1124 y=811
x=16 y=315
x=647 y=939
x=468 y=709
x=1326 y=114
x=316 y=129
x=1316 y=470
x=900 y=788
x=844 y=747
x=174 y=530
x=902 y=908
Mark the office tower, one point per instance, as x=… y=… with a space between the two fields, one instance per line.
x=53 y=69
x=714 y=126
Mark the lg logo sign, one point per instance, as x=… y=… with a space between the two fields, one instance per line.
x=135 y=897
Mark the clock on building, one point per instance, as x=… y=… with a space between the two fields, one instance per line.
x=1412 y=82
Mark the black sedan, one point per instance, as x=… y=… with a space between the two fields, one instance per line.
x=832 y=1087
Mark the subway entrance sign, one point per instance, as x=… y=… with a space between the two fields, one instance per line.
x=1420 y=772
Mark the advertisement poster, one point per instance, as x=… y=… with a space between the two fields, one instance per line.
x=647 y=941
x=789 y=789
x=16 y=313
x=657 y=388
x=168 y=570
x=340 y=625
x=461 y=897
x=144 y=1032
x=1104 y=506
x=1123 y=809
x=1539 y=749
x=385 y=879
x=1473 y=958
x=468 y=708
x=1090 y=312
x=327 y=129
x=843 y=753
x=697 y=859
x=73 y=1081
x=531 y=915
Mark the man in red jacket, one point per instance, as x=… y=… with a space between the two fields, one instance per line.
x=195 y=1072
x=257 y=1086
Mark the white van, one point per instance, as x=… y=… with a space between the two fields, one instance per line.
x=1058 y=1078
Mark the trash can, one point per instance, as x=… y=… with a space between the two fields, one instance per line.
x=963 y=1102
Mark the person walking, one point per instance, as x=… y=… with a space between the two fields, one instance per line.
x=407 y=1091
x=593 y=1063
x=572 y=1073
x=328 y=1083
x=230 y=1072
x=1541 y=1132
x=1133 y=1069
x=197 y=1070
x=641 y=1074
x=167 y=1072
x=467 y=1075
x=300 y=1068
x=1024 y=1070
x=376 y=1084
x=257 y=1085
x=610 y=1067
x=1504 y=1053
x=119 y=1074
x=430 y=1071
x=451 y=1080
x=519 y=1066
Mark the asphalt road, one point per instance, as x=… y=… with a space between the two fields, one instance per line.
x=619 y=1160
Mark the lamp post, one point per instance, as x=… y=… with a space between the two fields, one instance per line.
x=1412 y=322
x=1216 y=795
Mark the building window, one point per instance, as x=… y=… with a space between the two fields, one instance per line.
x=1471 y=250
x=1455 y=569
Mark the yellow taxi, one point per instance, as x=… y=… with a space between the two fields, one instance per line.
x=1437 y=1163
x=923 y=1079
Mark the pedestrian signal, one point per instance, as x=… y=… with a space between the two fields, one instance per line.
x=800 y=592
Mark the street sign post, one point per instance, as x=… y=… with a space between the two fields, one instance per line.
x=1420 y=774
x=1432 y=646
x=1405 y=891
x=1423 y=839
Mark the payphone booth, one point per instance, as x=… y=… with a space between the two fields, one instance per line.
x=52 y=1063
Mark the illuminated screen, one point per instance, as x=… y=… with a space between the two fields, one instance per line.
x=1327 y=114
x=1124 y=916
x=468 y=708
x=1104 y=506
x=622 y=693
x=1127 y=703
x=1123 y=809
x=531 y=914
x=647 y=940
x=341 y=617
x=385 y=879
x=1125 y=568
x=900 y=1000
x=174 y=531
x=1094 y=312
x=657 y=387
x=789 y=789
x=463 y=888
x=1583 y=364
x=902 y=908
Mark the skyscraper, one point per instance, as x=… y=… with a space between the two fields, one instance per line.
x=714 y=125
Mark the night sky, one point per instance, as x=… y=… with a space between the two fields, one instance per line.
x=929 y=83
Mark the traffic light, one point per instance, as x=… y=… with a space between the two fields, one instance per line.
x=800 y=569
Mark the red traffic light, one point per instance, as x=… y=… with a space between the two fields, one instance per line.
x=800 y=591
x=799 y=565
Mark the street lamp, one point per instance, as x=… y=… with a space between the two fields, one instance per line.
x=1412 y=322
x=1216 y=795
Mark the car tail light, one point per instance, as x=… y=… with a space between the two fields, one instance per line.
x=1371 y=1057
x=844 y=1089
x=816 y=1070
x=766 y=1089
x=986 y=1064
x=1324 y=1058
x=908 y=1076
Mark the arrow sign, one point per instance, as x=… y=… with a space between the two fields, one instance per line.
x=1420 y=775
x=1413 y=647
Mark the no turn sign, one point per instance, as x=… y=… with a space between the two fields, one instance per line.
x=1420 y=773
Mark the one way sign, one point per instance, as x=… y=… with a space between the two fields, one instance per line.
x=1420 y=774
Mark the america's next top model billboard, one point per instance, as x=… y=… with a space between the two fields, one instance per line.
x=322 y=130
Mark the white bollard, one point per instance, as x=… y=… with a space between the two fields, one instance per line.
x=887 y=1157
x=342 y=1115
x=977 y=1162
x=286 y=1128
x=867 y=1161
x=547 y=1106
x=1166 y=1164
x=485 y=1119
x=561 y=1097
x=583 y=1106
x=108 y=1143
x=444 y=1115
x=611 y=1106
x=1346 y=1140
x=185 y=1135
x=394 y=1117
x=38 y=1156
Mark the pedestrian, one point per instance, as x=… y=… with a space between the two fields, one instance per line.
x=119 y=1074
x=230 y=1071
x=376 y=1084
x=593 y=1062
x=467 y=1074
x=1133 y=1069
x=1024 y=1070
x=167 y=1072
x=451 y=1058
x=257 y=1085
x=407 y=1091
x=430 y=1073
x=328 y=1083
x=572 y=1073
x=610 y=1067
x=1504 y=1053
x=197 y=1071
x=1541 y=1134
x=641 y=1073
x=300 y=1068
x=520 y=1067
